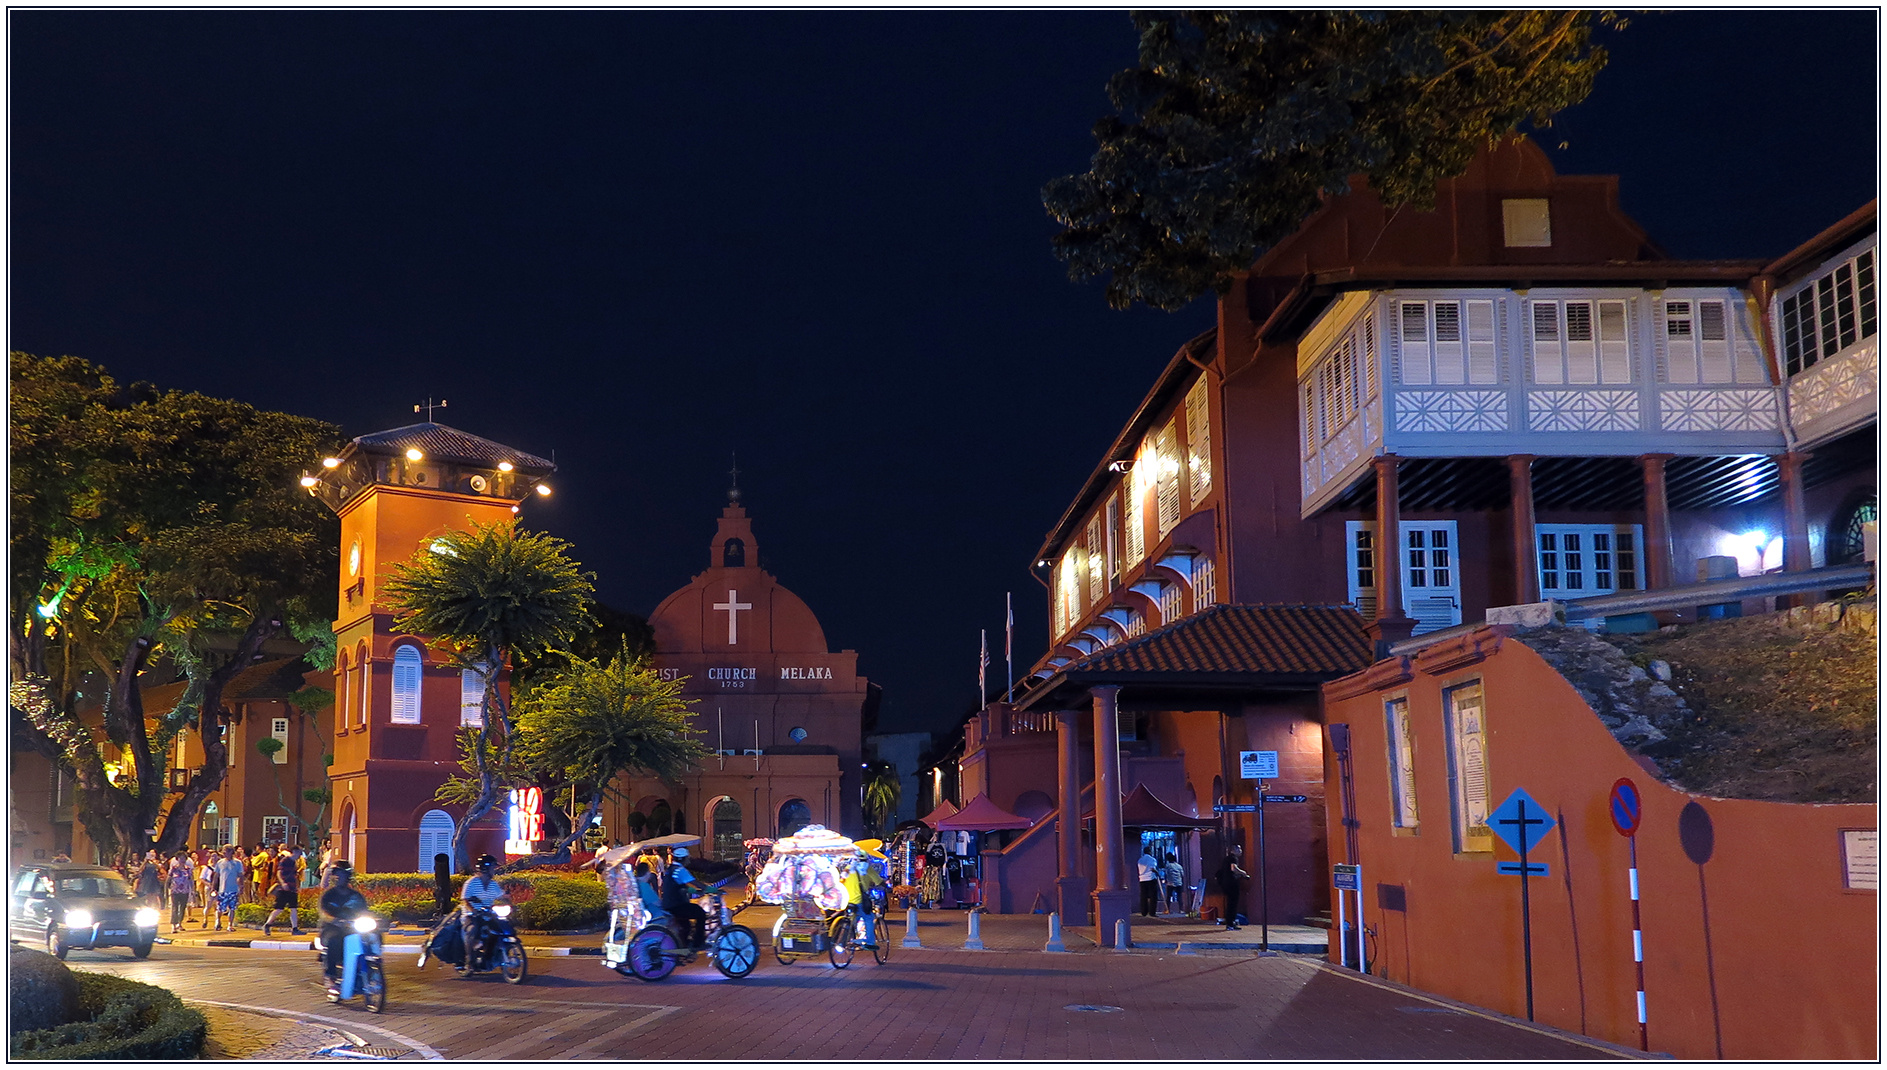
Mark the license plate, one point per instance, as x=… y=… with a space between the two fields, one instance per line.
x=786 y=941
x=117 y=932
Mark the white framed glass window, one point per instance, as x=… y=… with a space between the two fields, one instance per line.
x=274 y=830
x=1204 y=584
x=408 y=673
x=1830 y=313
x=1401 y=764
x=278 y=728
x=1582 y=560
x=1431 y=571
x=1172 y=603
x=1465 y=713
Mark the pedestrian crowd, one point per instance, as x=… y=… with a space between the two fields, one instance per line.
x=211 y=884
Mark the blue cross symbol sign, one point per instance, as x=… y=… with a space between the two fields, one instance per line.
x=1521 y=821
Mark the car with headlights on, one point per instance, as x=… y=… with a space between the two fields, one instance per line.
x=66 y=907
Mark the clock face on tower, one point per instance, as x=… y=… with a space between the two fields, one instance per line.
x=353 y=559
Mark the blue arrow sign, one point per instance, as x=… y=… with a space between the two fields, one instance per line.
x=1521 y=821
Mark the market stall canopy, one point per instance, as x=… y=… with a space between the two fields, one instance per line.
x=944 y=810
x=981 y=815
x=1141 y=809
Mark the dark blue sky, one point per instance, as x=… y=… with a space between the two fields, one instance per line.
x=642 y=240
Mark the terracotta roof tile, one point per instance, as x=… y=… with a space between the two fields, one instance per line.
x=451 y=444
x=1260 y=639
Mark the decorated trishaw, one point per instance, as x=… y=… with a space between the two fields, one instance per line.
x=759 y=853
x=806 y=878
x=641 y=942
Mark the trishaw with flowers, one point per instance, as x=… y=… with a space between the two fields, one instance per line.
x=806 y=877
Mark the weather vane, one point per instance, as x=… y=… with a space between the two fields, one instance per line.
x=733 y=476
x=429 y=404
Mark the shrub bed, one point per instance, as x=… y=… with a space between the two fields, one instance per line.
x=571 y=899
x=42 y=991
x=118 y=1020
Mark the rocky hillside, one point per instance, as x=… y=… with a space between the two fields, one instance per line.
x=1781 y=707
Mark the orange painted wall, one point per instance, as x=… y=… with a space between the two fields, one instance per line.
x=1759 y=953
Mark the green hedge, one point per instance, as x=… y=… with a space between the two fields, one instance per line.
x=42 y=990
x=565 y=904
x=569 y=900
x=118 y=1020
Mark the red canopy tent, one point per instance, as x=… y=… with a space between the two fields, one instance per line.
x=1141 y=809
x=981 y=815
x=944 y=809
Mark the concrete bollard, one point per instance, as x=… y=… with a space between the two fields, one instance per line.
x=1054 y=934
x=974 y=941
x=910 y=929
x=1123 y=935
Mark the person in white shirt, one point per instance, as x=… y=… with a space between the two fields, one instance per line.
x=1149 y=883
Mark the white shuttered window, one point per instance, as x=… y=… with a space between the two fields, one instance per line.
x=1198 y=442
x=1448 y=343
x=471 y=697
x=1166 y=457
x=406 y=684
x=1580 y=343
x=1097 y=560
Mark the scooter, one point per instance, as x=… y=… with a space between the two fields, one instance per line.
x=498 y=947
x=362 y=972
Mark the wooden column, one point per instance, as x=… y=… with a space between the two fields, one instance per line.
x=1111 y=899
x=1658 y=567
x=1795 y=554
x=1520 y=490
x=1391 y=625
x=1071 y=887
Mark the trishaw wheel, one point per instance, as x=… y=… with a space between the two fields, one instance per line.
x=736 y=951
x=882 y=929
x=842 y=947
x=648 y=953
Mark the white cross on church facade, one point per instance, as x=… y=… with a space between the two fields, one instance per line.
x=733 y=606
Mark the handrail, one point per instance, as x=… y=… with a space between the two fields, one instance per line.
x=1693 y=594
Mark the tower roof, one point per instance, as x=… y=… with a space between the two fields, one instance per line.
x=451 y=444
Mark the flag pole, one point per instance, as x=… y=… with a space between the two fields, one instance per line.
x=1009 y=643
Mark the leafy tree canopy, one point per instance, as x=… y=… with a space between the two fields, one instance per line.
x=1236 y=123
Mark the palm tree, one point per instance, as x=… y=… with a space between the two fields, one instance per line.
x=882 y=792
x=595 y=720
x=490 y=595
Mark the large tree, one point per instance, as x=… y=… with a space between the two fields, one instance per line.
x=596 y=720
x=155 y=534
x=491 y=595
x=1236 y=123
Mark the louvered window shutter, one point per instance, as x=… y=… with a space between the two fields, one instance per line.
x=1417 y=358
x=1680 y=342
x=1483 y=355
x=1166 y=449
x=1614 y=346
x=1549 y=362
x=1371 y=377
x=1582 y=351
x=406 y=684
x=471 y=697
x=1713 y=343
x=1136 y=513
x=1113 y=538
x=1450 y=359
x=1308 y=414
x=1097 y=560
x=1198 y=441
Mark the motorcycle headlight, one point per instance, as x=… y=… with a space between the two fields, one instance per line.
x=366 y=923
x=79 y=919
x=145 y=919
x=502 y=908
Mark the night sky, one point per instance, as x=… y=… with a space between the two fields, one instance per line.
x=644 y=240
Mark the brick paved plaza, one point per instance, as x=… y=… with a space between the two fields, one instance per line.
x=922 y=1005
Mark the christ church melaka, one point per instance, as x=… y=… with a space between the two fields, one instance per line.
x=784 y=714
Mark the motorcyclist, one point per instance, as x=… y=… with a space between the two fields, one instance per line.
x=341 y=903
x=678 y=891
x=481 y=890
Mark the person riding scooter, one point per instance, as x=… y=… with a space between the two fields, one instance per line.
x=340 y=905
x=480 y=892
x=678 y=891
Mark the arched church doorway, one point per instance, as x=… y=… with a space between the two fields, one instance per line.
x=435 y=838
x=795 y=815
x=724 y=829
x=347 y=834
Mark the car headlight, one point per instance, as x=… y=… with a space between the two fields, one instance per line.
x=78 y=919
x=366 y=923
x=502 y=910
x=146 y=918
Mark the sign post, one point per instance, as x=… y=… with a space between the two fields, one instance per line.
x=1348 y=878
x=1522 y=822
x=1264 y=878
x=1626 y=808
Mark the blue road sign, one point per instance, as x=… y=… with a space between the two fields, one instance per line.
x=1234 y=808
x=1626 y=807
x=1347 y=878
x=1512 y=869
x=1287 y=798
x=1521 y=821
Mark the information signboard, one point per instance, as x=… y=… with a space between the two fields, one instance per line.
x=1258 y=764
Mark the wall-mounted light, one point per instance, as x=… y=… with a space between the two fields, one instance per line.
x=1126 y=465
x=544 y=489
x=504 y=466
x=308 y=480
x=415 y=455
x=330 y=462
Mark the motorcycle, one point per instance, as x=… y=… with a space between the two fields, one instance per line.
x=498 y=946
x=362 y=971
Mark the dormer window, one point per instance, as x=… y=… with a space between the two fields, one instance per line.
x=1527 y=222
x=734 y=554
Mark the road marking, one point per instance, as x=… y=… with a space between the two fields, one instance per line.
x=425 y=1051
